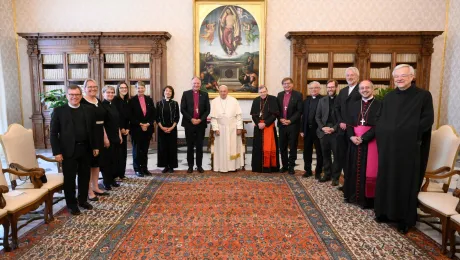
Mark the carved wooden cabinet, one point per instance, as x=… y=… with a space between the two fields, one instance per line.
x=57 y=60
x=325 y=55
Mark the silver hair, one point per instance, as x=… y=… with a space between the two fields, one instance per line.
x=107 y=87
x=88 y=80
x=354 y=69
x=411 y=69
x=314 y=83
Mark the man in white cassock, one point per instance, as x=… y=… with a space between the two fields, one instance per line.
x=227 y=124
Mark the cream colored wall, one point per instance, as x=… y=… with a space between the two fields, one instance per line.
x=282 y=16
x=10 y=107
x=450 y=106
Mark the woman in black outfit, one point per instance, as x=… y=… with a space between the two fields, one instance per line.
x=142 y=117
x=121 y=102
x=167 y=119
x=90 y=98
x=112 y=140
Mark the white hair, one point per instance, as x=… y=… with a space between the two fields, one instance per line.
x=354 y=69
x=88 y=80
x=313 y=83
x=223 y=86
x=400 y=66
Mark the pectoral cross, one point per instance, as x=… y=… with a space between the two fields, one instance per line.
x=197 y=110
x=362 y=121
x=285 y=107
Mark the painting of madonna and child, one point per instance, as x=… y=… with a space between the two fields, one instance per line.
x=229 y=48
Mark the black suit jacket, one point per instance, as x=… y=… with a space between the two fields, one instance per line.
x=62 y=130
x=186 y=108
x=343 y=101
x=137 y=116
x=306 y=111
x=294 y=109
x=322 y=114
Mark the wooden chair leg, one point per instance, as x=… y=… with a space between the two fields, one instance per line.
x=14 y=231
x=6 y=231
x=444 y=235
x=46 y=209
x=452 y=241
x=50 y=209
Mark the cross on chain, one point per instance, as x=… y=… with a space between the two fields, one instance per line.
x=362 y=121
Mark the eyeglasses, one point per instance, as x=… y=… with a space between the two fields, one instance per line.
x=74 y=95
x=401 y=76
x=91 y=86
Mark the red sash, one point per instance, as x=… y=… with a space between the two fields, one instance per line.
x=269 y=147
x=372 y=161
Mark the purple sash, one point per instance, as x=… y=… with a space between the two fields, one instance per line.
x=372 y=161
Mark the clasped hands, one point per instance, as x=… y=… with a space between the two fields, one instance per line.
x=144 y=126
x=327 y=130
x=285 y=121
x=60 y=158
x=238 y=132
x=196 y=121
x=356 y=140
x=167 y=129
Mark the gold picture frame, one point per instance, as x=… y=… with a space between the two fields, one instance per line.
x=229 y=45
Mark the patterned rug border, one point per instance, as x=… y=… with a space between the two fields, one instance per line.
x=334 y=243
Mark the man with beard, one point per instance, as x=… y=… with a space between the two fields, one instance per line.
x=359 y=187
x=403 y=139
x=347 y=95
x=327 y=133
x=308 y=131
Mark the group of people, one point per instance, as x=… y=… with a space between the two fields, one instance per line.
x=381 y=146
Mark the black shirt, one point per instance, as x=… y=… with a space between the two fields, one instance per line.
x=312 y=110
x=79 y=123
x=330 y=118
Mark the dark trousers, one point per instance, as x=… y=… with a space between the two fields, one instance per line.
x=110 y=163
x=140 y=145
x=288 y=137
x=329 y=146
x=342 y=149
x=194 y=137
x=122 y=156
x=310 y=139
x=71 y=166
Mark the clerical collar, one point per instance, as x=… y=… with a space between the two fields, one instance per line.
x=314 y=97
x=74 y=106
x=288 y=92
x=367 y=99
x=195 y=91
x=332 y=97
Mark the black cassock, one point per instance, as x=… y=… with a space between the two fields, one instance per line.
x=403 y=135
x=270 y=112
x=167 y=114
x=355 y=183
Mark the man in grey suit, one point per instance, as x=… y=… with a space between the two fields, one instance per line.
x=327 y=133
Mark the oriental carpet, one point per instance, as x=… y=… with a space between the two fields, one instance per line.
x=222 y=216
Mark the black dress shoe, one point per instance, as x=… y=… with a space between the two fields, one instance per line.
x=74 y=211
x=381 y=219
x=171 y=170
x=105 y=193
x=139 y=174
x=165 y=170
x=146 y=172
x=284 y=169
x=403 y=228
x=115 y=184
x=200 y=169
x=190 y=170
x=107 y=187
x=340 y=188
x=85 y=205
x=291 y=171
x=307 y=174
x=335 y=182
x=325 y=179
x=93 y=199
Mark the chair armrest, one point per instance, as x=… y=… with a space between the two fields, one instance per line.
x=34 y=176
x=25 y=169
x=44 y=158
x=438 y=176
x=438 y=171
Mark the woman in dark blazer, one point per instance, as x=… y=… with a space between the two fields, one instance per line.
x=121 y=102
x=112 y=140
x=91 y=89
x=142 y=117
x=167 y=119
